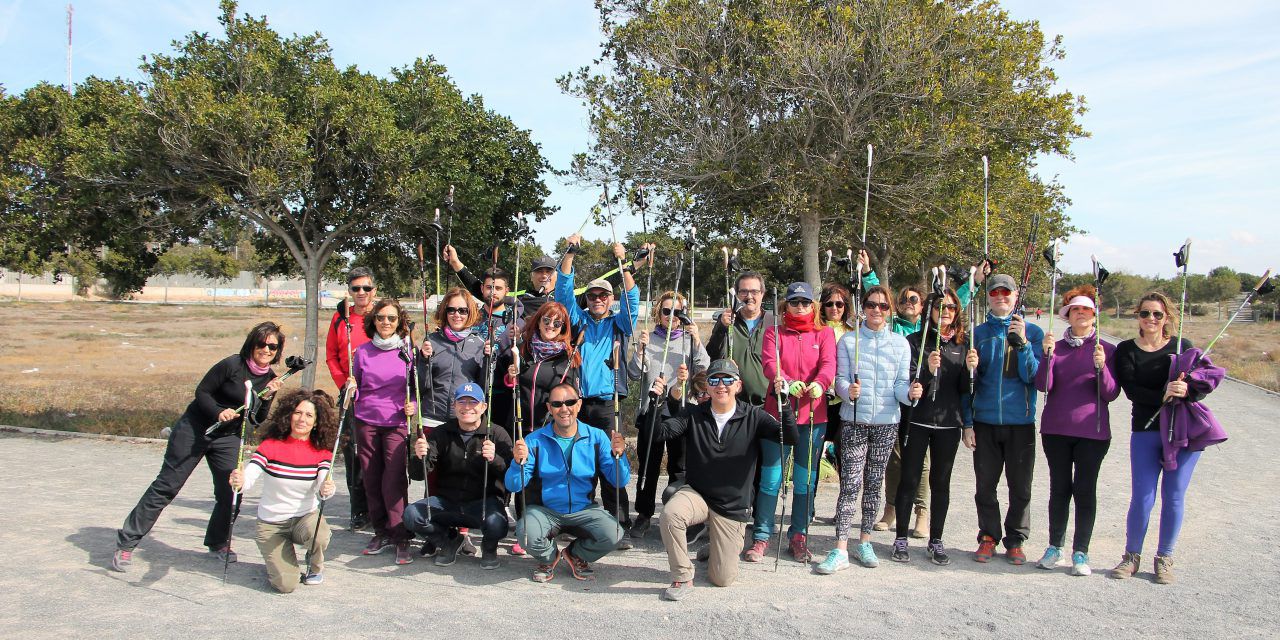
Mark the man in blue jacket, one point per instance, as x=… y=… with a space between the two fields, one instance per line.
x=1006 y=354
x=600 y=333
x=555 y=467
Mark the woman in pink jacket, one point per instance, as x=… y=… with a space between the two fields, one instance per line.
x=805 y=358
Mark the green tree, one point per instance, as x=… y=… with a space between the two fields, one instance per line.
x=752 y=119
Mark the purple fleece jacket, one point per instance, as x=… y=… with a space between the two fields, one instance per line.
x=380 y=380
x=1072 y=382
x=1194 y=427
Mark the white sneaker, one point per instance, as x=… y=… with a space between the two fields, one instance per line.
x=1080 y=564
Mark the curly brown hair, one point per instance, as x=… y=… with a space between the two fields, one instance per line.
x=325 y=431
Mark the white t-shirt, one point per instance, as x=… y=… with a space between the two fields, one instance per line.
x=721 y=420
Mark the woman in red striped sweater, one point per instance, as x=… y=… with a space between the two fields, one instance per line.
x=293 y=463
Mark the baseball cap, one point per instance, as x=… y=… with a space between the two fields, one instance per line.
x=544 y=262
x=1001 y=281
x=797 y=290
x=724 y=367
x=600 y=283
x=469 y=390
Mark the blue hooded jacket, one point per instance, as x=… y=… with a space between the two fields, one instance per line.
x=596 y=339
x=1005 y=393
x=563 y=483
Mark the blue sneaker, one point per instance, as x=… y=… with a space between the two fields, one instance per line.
x=836 y=560
x=867 y=555
x=1080 y=564
x=310 y=578
x=1050 y=558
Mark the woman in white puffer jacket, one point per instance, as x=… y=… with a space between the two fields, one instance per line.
x=873 y=377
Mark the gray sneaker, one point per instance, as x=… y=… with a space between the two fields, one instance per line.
x=448 y=552
x=677 y=591
x=224 y=554
x=312 y=578
x=121 y=560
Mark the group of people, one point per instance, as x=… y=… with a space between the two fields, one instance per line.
x=509 y=413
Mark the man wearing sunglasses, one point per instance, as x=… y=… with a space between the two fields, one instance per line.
x=1007 y=355
x=598 y=329
x=722 y=450
x=338 y=344
x=558 y=465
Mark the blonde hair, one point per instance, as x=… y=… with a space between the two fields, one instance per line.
x=1172 y=318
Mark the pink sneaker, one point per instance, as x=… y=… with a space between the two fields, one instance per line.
x=516 y=549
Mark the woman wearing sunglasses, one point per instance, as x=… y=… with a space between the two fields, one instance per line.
x=1075 y=430
x=218 y=396
x=380 y=375
x=454 y=353
x=683 y=349
x=805 y=359
x=1142 y=369
x=547 y=358
x=936 y=424
x=907 y=319
x=872 y=377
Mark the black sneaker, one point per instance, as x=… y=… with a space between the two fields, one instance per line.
x=428 y=549
x=640 y=527
x=938 y=553
x=489 y=560
x=359 y=521
x=448 y=552
x=900 y=551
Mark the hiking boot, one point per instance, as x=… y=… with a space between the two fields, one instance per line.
x=121 y=560
x=900 y=551
x=757 y=551
x=640 y=527
x=225 y=554
x=887 y=520
x=468 y=548
x=677 y=591
x=448 y=553
x=704 y=553
x=1164 y=569
x=836 y=560
x=402 y=553
x=1080 y=564
x=359 y=521
x=489 y=560
x=1050 y=558
x=517 y=550
x=545 y=572
x=938 y=553
x=986 y=549
x=921 y=530
x=312 y=578
x=580 y=568
x=799 y=549
x=1016 y=556
x=867 y=555
x=1128 y=566
x=377 y=545
x=429 y=549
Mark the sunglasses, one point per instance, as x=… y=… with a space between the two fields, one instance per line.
x=1000 y=292
x=799 y=303
x=556 y=404
x=950 y=307
x=381 y=318
x=599 y=296
x=668 y=311
x=554 y=323
x=883 y=306
x=269 y=346
x=1147 y=313
x=833 y=304
x=911 y=300
x=721 y=380
x=461 y=311
x=357 y=288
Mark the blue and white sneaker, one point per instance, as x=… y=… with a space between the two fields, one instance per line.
x=310 y=578
x=1080 y=564
x=867 y=555
x=836 y=560
x=1050 y=558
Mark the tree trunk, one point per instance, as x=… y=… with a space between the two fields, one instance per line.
x=810 y=228
x=311 y=342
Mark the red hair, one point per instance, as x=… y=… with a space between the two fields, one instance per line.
x=531 y=326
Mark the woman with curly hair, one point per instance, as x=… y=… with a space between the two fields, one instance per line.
x=293 y=463
x=547 y=358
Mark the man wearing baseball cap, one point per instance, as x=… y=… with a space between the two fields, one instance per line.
x=1006 y=354
x=458 y=452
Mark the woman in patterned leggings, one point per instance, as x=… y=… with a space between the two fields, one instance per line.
x=873 y=377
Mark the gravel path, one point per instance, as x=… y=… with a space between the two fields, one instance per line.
x=67 y=496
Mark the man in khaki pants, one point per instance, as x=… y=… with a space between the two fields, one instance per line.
x=722 y=448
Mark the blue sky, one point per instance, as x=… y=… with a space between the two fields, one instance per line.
x=1184 y=98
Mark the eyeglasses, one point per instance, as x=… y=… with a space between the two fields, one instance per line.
x=1147 y=313
x=799 y=303
x=745 y=293
x=868 y=305
x=554 y=323
x=556 y=404
x=382 y=318
x=466 y=402
x=357 y=288
x=668 y=311
x=269 y=346
x=721 y=380
x=833 y=304
x=461 y=311
x=950 y=307
x=911 y=300
x=1000 y=292
x=599 y=296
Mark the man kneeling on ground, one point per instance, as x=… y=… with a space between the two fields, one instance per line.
x=458 y=451
x=557 y=463
x=722 y=448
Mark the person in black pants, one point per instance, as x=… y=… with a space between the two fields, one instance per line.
x=218 y=396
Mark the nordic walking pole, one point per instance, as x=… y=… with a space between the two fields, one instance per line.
x=1099 y=276
x=236 y=496
x=728 y=295
x=814 y=457
x=973 y=321
x=986 y=249
x=866 y=200
x=940 y=291
x=490 y=360
x=435 y=225
x=617 y=428
x=448 y=204
x=344 y=401
x=1180 y=260
x=662 y=367
x=1051 y=256
x=782 y=445
x=828 y=267
x=693 y=267
x=422 y=432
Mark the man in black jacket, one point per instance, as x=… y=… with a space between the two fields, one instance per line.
x=458 y=452
x=722 y=448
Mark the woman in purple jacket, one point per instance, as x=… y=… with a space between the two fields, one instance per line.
x=1079 y=382
x=380 y=372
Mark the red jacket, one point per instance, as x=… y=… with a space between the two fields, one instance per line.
x=336 y=346
x=808 y=356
